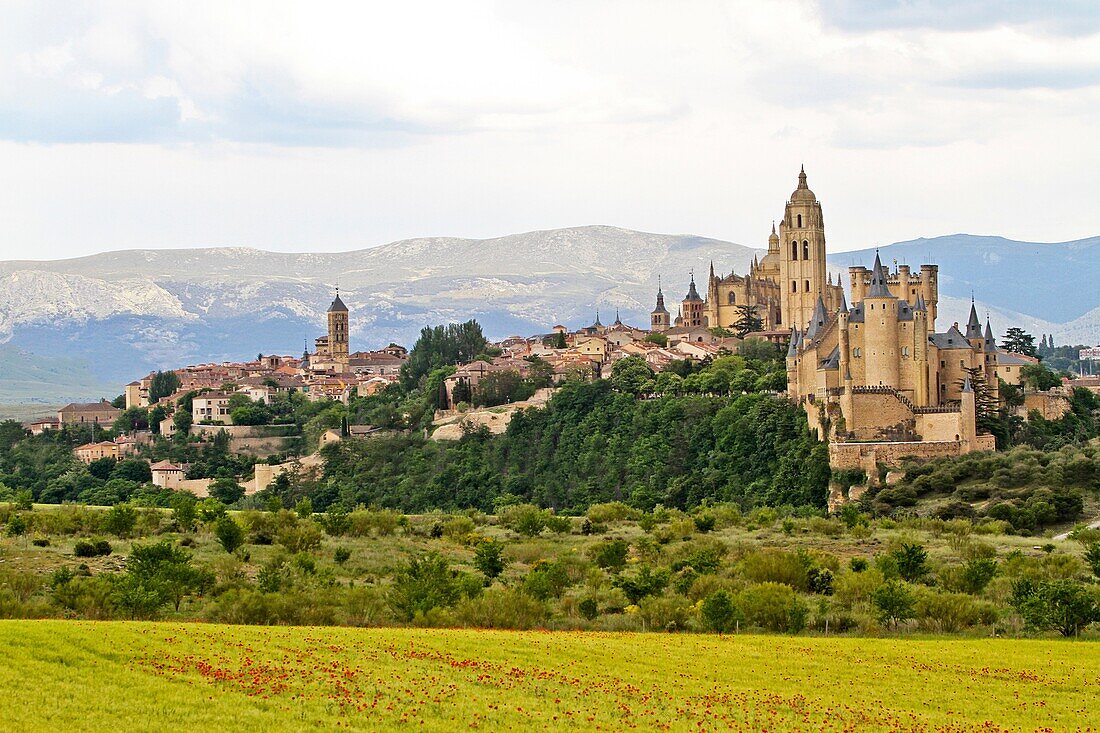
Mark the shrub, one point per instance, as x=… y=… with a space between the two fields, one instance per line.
x=588 y=609
x=912 y=561
x=489 y=558
x=458 y=528
x=303 y=537
x=229 y=533
x=947 y=612
x=610 y=555
x=558 y=524
x=614 y=511
x=423 y=584
x=383 y=522
x=719 y=613
x=665 y=613
x=1092 y=557
x=341 y=555
x=776 y=566
x=93 y=548
x=547 y=580
x=646 y=582
x=774 y=607
x=120 y=520
x=705 y=522
x=1062 y=605
x=894 y=602
x=40 y=542
x=500 y=608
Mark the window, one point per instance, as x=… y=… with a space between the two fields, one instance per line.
x=794 y=286
x=733 y=298
x=943 y=364
x=794 y=250
x=800 y=221
x=805 y=249
x=905 y=351
x=962 y=364
x=857 y=352
x=807 y=286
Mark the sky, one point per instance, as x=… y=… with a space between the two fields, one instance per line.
x=334 y=126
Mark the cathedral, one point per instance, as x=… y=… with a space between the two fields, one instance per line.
x=781 y=289
x=876 y=379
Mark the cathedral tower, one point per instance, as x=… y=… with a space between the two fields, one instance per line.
x=338 y=329
x=659 y=319
x=802 y=256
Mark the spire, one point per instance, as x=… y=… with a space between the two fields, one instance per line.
x=337 y=304
x=773 y=229
x=921 y=306
x=967 y=386
x=693 y=294
x=843 y=302
x=660 y=298
x=802 y=178
x=712 y=269
x=597 y=323
x=817 y=320
x=617 y=321
x=792 y=347
x=973 y=325
x=878 y=287
x=990 y=344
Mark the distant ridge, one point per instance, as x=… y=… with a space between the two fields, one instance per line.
x=114 y=316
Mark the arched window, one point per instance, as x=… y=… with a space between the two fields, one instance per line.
x=733 y=298
x=807 y=286
x=794 y=250
x=794 y=286
x=805 y=249
x=857 y=352
x=800 y=221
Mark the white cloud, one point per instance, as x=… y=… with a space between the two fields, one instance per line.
x=335 y=125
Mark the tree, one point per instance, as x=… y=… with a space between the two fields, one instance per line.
x=912 y=560
x=632 y=375
x=498 y=388
x=719 y=612
x=120 y=520
x=229 y=533
x=657 y=338
x=1062 y=605
x=894 y=602
x=455 y=343
x=747 y=320
x=162 y=385
x=489 y=558
x=184 y=511
x=556 y=341
x=165 y=568
x=181 y=421
x=156 y=417
x=986 y=405
x=226 y=490
x=425 y=583
x=1039 y=378
x=133 y=469
x=134 y=418
x=11 y=432
x=1092 y=557
x=1019 y=341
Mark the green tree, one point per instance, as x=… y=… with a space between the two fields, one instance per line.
x=912 y=561
x=163 y=384
x=424 y=583
x=894 y=602
x=489 y=558
x=719 y=612
x=1019 y=341
x=226 y=490
x=1038 y=377
x=657 y=338
x=120 y=520
x=631 y=375
x=184 y=511
x=181 y=421
x=455 y=343
x=1065 y=606
x=133 y=469
x=229 y=533
x=747 y=321
x=1092 y=557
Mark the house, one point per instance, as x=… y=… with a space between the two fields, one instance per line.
x=137 y=394
x=328 y=437
x=211 y=407
x=167 y=475
x=37 y=427
x=96 y=413
x=95 y=451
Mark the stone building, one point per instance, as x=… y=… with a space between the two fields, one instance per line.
x=99 y=413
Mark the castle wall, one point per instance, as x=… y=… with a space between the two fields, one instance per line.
x=940 y=426
x=879 y=416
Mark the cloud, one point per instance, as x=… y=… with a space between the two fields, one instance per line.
x=1067 y=17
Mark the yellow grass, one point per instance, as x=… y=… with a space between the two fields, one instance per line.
x=67 y=676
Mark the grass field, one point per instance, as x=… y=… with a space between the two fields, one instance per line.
x=88 y=676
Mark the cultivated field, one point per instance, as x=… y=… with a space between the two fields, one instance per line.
x=59 y=675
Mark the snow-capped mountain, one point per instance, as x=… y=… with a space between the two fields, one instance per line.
x=112 y=317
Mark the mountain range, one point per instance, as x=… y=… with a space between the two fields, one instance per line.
x=81 y=328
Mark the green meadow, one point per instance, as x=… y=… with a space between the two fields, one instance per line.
x=126 y=676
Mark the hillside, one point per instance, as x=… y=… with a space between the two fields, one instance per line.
x=117 y=315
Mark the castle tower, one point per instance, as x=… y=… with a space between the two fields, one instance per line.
x=802 y=255
x=921 y=396
x=338 y=329
x=693 y=307
x=659 y=319
x=880 y=336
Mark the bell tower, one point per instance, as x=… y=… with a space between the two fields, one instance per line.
x=338 y=329
x=802 y=256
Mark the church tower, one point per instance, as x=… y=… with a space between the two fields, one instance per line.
x=802 y=256
x=693 y=307
x=338 y=329
x=659 y=319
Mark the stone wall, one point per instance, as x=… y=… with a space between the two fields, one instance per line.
x=940 y=426
x=880 y=416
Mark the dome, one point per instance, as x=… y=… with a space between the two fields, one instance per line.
x=803 y=192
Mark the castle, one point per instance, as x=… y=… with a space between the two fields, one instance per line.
x=877 y=380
